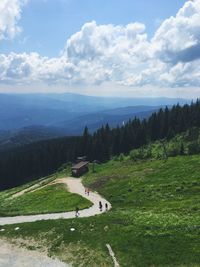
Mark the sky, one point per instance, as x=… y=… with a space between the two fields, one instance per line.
x=101 y=47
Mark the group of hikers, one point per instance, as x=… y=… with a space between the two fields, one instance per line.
x=101 y=206
x=87 y=191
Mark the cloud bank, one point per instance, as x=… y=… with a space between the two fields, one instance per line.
x=10 y=14
x=118 y=54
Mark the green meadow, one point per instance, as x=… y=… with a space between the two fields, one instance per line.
x=45 y=199
x=154 y=221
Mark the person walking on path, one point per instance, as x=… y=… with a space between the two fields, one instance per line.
x=100 y=206
x=77 y=212
x=106 y=206
x=88 y=191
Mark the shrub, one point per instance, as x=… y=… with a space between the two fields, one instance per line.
x=193 y=148
x=121 y=157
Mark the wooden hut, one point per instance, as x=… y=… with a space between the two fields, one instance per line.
x=80 y=168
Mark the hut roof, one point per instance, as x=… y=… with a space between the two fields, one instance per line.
x=80 y=165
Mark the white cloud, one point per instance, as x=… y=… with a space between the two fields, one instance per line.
x=10 y=14
x=26 y=68
x=176 y=49
x=122 y=55
x=178 y=38
x=107 y=52
x=94 y=55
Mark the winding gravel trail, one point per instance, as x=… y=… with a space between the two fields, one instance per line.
x=74 y=186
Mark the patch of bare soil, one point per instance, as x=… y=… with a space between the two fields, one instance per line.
x=14 y=256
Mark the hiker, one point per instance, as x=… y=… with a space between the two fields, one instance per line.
x=106 y=206
x=100 y=206
x=77 y=212
x=88 y=191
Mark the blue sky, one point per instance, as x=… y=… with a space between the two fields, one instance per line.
x=101 y=47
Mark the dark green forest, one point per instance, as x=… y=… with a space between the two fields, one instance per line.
x=25 y=163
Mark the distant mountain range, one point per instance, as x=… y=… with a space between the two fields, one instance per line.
x=26 y=118
x=113 y=117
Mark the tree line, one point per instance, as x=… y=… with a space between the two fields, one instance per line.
x=28 y=162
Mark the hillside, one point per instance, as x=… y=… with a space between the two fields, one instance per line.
x=32 y=161
x=154 y=220
x=43 y=197
x=27 y=135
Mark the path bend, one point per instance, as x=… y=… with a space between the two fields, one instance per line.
x=74 y=186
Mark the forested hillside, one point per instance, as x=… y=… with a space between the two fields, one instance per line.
x=32 y=161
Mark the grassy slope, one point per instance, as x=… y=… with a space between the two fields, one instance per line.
x=186 y=143
x=40 y=182
x=49 y=199
x=155 y=220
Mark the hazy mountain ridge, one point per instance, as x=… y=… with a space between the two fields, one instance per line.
x=22 y=110
x=29 y=134
x=26 y=118
x=114 y=117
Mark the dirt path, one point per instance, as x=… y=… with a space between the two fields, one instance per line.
x=32 y=188
x=74 y=186
x=13 y=256
x=27 y=190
